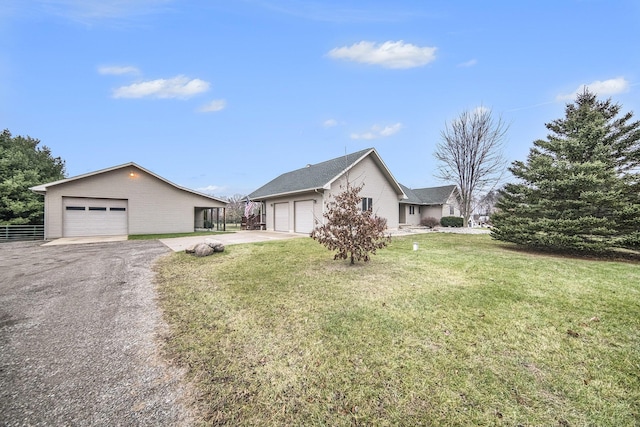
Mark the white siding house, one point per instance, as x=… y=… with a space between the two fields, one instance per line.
x=295 y=201
x=435 y=202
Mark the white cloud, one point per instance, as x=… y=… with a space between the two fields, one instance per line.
x=602 y=88
x=469 y=63
x=388 y=54
x=117 y=70
x=378 y=131
x=213 y=106
x=176 y=87
x=329 y=123
x=210 y=189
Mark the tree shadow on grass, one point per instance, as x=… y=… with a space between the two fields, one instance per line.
x=614 y=255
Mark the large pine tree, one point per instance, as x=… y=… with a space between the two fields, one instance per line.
x=579 y=190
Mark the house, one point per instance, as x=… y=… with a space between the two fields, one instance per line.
x=433 y=202
x=125 y=199
x=295 y=200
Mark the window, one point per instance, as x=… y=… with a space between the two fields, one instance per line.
x=75 y=208
x=451 y=210
x=118 y=209
x=419 y=209
x=97 y=208
x=367 y=204
x=412 y=210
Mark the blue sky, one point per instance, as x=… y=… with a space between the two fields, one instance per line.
x=223 y=96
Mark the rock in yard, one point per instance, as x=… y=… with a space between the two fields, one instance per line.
x=217 y=245
x=205 y=249
x=202 y=249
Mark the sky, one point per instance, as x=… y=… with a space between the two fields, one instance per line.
x=223 y=96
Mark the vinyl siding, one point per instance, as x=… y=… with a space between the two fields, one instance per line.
x=154 y=206
x=385 y=198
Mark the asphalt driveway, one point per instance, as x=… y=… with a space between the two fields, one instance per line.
x=79 y=328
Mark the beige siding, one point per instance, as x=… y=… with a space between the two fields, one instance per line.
x=437 y=211
x=377 y=187
x=418 y=214
x=154 y=206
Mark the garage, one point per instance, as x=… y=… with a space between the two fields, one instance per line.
x=125 y=200
x=94 y=217
x=303 y=214
x=281 y=215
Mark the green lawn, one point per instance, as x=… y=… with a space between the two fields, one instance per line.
x=464 y=331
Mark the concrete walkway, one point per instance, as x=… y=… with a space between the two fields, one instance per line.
x=83 y=240
x=178 y=244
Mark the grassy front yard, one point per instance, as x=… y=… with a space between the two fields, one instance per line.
x=464 y=331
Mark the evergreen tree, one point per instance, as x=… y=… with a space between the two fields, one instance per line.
x=579 y=189
x=24 y=164
x=352 y=232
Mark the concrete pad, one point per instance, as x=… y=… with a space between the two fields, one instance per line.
x=83 y=240
x=178 y=244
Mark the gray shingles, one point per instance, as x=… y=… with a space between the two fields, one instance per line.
x=308 y=178
x=428 y=196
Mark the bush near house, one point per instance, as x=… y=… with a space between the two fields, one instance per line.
x=451 y=221
x=429 y=222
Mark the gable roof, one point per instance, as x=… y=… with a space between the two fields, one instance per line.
x=428 y=196
x=42 y=188
x=321 y=176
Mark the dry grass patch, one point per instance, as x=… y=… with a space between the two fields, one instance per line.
x=463 y=331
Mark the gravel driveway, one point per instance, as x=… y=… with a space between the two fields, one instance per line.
x=78 y=337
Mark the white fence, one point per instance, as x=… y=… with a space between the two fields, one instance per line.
x=11 y=233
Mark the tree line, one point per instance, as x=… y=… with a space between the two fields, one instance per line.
x=24 y=163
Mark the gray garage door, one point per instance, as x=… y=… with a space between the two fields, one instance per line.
x=281 y=211
x=303 y=212
x=94 y=217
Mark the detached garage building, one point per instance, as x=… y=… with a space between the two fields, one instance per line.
x=122 y=200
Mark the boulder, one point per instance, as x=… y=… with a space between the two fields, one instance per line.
x=216 y=245
x=202 y=249
x=191 y=249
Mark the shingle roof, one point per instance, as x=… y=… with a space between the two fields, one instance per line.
x=428 y=196
x=310 y=177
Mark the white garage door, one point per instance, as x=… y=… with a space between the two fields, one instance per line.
x=93 y=217
x=281 y=211
x=303 y=212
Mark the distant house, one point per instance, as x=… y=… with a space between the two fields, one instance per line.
x=433 y=202
x=295 y=200
x=122 y=200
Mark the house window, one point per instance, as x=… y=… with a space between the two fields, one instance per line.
x=367 y=204
x=118 y=209
x=419 y=209
x=451 y=210
x=75 y=208
x=412 y=210
x=97 y=208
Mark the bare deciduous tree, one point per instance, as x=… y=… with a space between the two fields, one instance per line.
x=353 y=232
x=470 y=155
x=235 y=208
